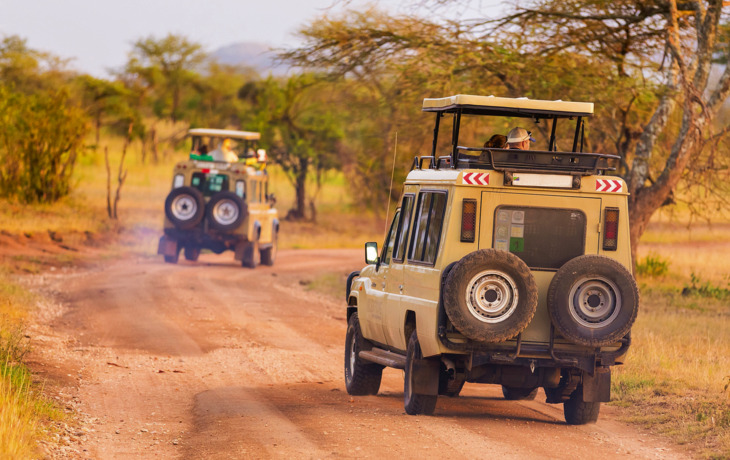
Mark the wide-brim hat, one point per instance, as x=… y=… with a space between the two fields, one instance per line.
x=518 y=135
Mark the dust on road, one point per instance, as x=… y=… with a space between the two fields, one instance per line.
x=210 y=360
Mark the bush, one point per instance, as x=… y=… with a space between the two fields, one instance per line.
x=652 y=265
x=40 y=137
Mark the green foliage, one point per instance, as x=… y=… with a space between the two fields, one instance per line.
x=707 y=289
x=652 y=265
x=41 y=137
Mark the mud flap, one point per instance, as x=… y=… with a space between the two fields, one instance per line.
x=426 y=377
x=597 y=387
x=167 y=246
x=240 y=248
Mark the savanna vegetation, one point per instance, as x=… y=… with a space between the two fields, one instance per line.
x=89 y=158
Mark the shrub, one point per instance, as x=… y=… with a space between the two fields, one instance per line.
x=652 y=265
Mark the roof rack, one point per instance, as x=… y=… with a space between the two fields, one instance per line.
x=573 y=163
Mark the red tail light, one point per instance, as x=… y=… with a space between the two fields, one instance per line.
x=610 y=229
x=468 y=220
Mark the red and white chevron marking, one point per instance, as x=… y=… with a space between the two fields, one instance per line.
x=609 y=185
x=473 y=178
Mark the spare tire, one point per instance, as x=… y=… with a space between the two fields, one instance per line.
x=226 y=211
x=490 y=295
x=593 y=300
x=184 y=207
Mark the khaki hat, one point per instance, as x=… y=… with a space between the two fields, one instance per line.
x=518 y=135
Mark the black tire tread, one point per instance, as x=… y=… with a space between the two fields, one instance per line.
x=579 y=412
x=519 y=394
x=366 y=376
x=417 y=404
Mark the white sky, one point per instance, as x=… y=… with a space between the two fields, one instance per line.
x=98 y=34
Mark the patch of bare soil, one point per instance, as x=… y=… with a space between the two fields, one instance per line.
x=210 y=360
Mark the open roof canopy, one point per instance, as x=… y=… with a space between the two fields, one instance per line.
x=507 y=106
x=230 y=133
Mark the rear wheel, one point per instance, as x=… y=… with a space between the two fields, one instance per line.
x=519 y=394
x=361 y=377
x=579 y=412
x=251 y=255
x=414 y=403
x=192 y=253
x=268 y=255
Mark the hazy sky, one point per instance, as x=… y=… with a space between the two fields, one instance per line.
x=98 y=34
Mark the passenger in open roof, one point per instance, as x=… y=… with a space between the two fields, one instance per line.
x=497 y=141
x=224 y=152
x=519 y=138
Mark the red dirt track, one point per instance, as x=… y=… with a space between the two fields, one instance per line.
x=211 y=360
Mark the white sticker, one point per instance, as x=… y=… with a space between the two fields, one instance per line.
x=518 y=217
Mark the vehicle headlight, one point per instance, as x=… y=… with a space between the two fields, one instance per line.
x=178 y=181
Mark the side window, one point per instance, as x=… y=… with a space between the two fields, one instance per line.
x=403 y=228
x=429 y=222
x=390 y=241
x=254 y=191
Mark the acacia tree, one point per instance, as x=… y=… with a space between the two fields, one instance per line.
x=646 y=64
x=301 y=133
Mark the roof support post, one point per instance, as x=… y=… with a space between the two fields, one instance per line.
x=455 y=138
x=577 y=133
x=436 y=134
x=552 y=146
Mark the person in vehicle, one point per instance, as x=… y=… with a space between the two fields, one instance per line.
x=497 y=141
x=519 y=138
x=224 y=152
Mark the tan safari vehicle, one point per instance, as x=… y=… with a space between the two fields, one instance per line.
x=221 y=205
x=509 y=267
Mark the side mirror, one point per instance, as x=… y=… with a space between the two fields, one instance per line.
x=271 y=199
x=371 y=253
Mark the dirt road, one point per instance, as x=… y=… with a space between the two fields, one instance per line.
x=210 y=360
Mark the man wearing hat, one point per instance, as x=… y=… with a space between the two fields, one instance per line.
x=519 y=138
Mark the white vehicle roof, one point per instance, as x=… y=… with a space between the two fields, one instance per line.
x=521 y=106
x=230 y=133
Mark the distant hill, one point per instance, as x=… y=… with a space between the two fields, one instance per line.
x=250 y=54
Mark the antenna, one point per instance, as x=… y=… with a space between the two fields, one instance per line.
x=390 y=190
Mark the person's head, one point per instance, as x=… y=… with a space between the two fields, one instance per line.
x=497 y=141
x=227 y=145
x=519 y=138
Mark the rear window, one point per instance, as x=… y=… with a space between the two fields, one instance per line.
x=209 y=183
x=544 y=238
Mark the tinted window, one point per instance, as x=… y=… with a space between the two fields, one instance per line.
x=390 y=241
x=429 y=221
x=542 y=237
x=209 y=183
x=403 y=227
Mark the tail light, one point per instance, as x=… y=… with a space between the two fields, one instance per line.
x=610 y=229
x=468 y=220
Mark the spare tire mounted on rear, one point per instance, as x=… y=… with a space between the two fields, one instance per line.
x=490 y=295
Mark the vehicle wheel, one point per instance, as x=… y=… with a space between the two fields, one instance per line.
x=519 y=394
x=451 y=387
x=225 y=211
x=490 y=295
x=184 y=207
x=593 y=300
x=268 y=255
x=415 y=404
x=579 y=412
x=251 y=255
x=192 y=253
x=361 y=377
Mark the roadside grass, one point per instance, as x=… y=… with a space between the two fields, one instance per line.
x=25 y=413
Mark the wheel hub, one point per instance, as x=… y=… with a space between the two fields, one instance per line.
x=595 y=302
x=225 y=212
x=184 y=207
x=491 y=296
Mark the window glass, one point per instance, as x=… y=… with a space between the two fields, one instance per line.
x=209 y=184
x=403 y=228
x=429 y=222
x=544 y=238
x=390 y=241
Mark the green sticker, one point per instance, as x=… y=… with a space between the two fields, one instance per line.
x=516 y=244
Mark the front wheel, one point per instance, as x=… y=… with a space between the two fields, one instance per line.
x=579 y=412
x=361 y=377
x=414 y=403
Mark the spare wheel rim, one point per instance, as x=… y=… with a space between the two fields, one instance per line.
x=492 y=296
x=184 y=207
x=225 y=212
x=594 y=302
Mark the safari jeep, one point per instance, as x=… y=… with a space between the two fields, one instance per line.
x=509 y=267
x=220 y=205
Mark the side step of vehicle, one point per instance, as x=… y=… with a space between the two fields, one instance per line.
x=384 y=357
